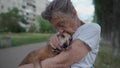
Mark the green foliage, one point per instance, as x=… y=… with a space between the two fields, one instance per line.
x=9 y=21
x=32 y=28
x=45 y=26
x=104 y=13
x=22 y=19
x=98 y=11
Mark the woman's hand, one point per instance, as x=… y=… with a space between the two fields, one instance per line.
x=53 y=41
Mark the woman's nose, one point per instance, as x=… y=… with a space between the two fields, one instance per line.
x=61 y=31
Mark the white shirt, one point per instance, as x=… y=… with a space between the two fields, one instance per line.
x=89 y=33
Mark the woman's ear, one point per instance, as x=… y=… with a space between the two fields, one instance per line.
x=74 y=12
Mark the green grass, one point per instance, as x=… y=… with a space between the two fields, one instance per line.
x=27 y=38
x=105 y=58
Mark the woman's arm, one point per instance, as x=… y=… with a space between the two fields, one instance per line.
x=75 y=52
x=27 y=66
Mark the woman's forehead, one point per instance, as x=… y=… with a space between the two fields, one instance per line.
x=59 y=18
x=59 y=21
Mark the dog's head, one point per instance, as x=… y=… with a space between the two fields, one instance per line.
x=64 y=39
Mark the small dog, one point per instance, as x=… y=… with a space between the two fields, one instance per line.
x=37 y=56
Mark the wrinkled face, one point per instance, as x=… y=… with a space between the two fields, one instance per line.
x=64 y=23
x=64 y=39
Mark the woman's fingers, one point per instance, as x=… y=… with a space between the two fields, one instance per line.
x=53 y=41
x=53 y=46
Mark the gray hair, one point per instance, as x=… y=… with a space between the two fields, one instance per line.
x=64 y=6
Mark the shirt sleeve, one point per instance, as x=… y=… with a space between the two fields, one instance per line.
x=90 y=35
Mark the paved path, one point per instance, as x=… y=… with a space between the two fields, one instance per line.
x=11 y=57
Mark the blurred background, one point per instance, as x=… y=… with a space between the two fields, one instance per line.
x=21 y=26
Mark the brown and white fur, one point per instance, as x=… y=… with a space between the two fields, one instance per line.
x=47 y=51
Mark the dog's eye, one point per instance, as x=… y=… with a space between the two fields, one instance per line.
x=62 y=36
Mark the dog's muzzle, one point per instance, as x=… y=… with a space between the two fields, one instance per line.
x=65 y=42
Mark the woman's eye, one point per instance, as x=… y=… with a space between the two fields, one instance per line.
x=61 y=25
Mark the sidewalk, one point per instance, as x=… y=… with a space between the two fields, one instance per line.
x=11 y=57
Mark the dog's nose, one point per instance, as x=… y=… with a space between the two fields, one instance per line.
x=65 y=45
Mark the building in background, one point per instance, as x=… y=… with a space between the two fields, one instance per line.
x=29 y=8
x=7 y=5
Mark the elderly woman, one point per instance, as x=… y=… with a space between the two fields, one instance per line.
x=85 y=37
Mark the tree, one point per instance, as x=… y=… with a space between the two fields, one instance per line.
x=116 y=28
x=45 y=26
x=108 y=16
x=104 y=14
x=9 y=21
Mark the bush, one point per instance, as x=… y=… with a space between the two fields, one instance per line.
x=9 y=21
x=45 y=26
x=32 y=28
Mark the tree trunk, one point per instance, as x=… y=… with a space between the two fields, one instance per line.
x=116 y=43
x=116 y=28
